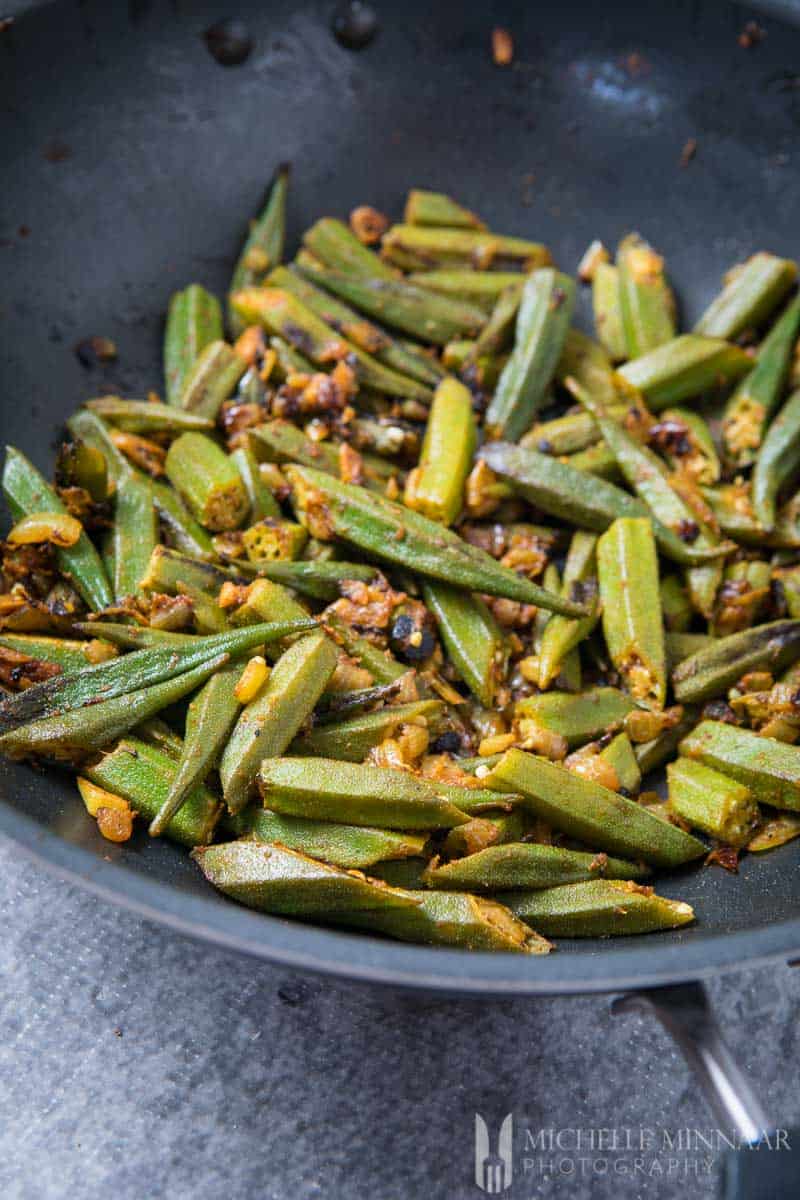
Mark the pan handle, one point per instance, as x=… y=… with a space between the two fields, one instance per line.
x=684 y=1011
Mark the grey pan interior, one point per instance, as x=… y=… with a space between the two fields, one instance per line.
x=131 y=162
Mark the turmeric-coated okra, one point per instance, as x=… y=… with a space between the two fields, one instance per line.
x=263 y=246
x=193 y=321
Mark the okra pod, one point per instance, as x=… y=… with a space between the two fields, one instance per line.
x=382 y=666
x=489 y=829
x=472 y=638
x=262 y=502
x=211 y=380
x=498 y=332
x=750 y=294
x=290 y=361
x=684 y=368
x=397 y=534
x=679 y=645
x=607 y=310
x=352 y=739
x=429 y=247
x=675 y=606
x=337 y=247
x=273 y=539
x=183 y=532
x=777 y=460
x=593 y=814
x=26 y=491
x=270 y=721
x=329 y=790
x=562 y=634
x=263 y=246
x=620 y=754
x=436 y=208
x=89 y=428
x=576 y=717
x=627 y=570
x=598 y=908
x=134 y=535
x=526 y=865
x=319 y=579
x=142 y=416
x=770 y=769
x=208 y=481
x=597 y=460
x=342 y=845
x=545 y=312
x=436 y=485
x=194 y=319
x=646 y=300
x=477 y=287
x=711 y=802
x=654 y=753
x=71 y=655
x=712 y=670
x=775 y=831
x=688 y=444
x=586 y=360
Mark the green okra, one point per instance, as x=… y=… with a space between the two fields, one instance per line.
x=770 y=769
x=477 y=287
x=497 y=333
x=646 y=300
x=397 y=534
x=621 y=755
x=750 y=582
x=712 y=670
x=436 y=208
x=777 y=461
x=685 y=368
x=680 y=645
x=702 y=584
x=562 y=634
x=208 y=481
x=262 y=502
x=577 y=717
x=429 y=247
x=401 y=872
x=281 y=313
x=689 y=444
x=67 y=653
x=351 y=740
x=526 y=865
x=633 y=627
x=183 y=531
x=381 y=664
x=276 y=879
x=211 y=380
x=416 y=311
x=751 y=406
x=290 y=361
x=319 y=579
x=593 y=814
x=675 y=606
x=488 y=829
x=436 y=485
x=263 y=246
x=158 y=733
x=568 y=434
x=564 y=492
x=453 y=919
x=268 y=601
x=653 y=754
x=282 y=442
x=194 y=319
x=26 y=492
x=545 y=312
x=210 y=719
x=269 y=722
x=750 y=294
x=134 y=535
x=710 y=801
x=87 y=427
x=597 y=460
x=273 y=539
x=474 y=642
x=339 y=706
x=732 y=507
x=354 y=846
x=598 y=908
x=337 y=247
x=79 y=731
x=144 y=416
x=607 y=310
x=586 y=360
x=179 y=574
x=84 y=466
x=130 y=672
x=328 y=790
x=775 y=831
x=133 y=637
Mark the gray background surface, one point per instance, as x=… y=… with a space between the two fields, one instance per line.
x=136 y=1063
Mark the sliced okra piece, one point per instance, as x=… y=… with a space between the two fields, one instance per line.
x=646 y=300
x=751 y=406
x=561 y=635
x=184 y=532
x=27 y=491
x=194 y=319
x=607 y=310
x=144 y=416
x=211 y=380
x=275 y=879
x=684 y=368
x=134 y=535
x=545 y=312
x=711 y=802
x=381 y=664
x=770 y=769
x=474 y=642
x=488 y=829
x=181 y=575
x=263 y=246
x=732 y=507
x=687 y=443
x=498 y=332
x=593 y=814
x=627 y=569
x=262 y=502
x=67 y=653
x=80 y=465
x=430 y=247
x=478 y=287
x=397 y=534
x=577 y=718
x=751 y=292
x=133 y=637
x=712 y=670
x=680 y=645
x=352 y=739
x=703 y=583
x=599 y=908
x=340 y=705
x=90 y=429
x=436 y=485
x=526 y=865
x=360 y=794
x=354 y=846
x=401 y=872
x=268 y=601
x=675 y=606
x=318 y=578
x=437 y=208
x=273 y=538
x=597 y=460
x=743 y=596
x=587 y=361
x=774 y=831
x=620 y=755
x=289 y=360
x=330 y=241
x=654 y=753
x=208 y=481
x=569 y=434
x=777 y=461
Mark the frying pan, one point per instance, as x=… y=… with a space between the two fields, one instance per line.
x=132 y=161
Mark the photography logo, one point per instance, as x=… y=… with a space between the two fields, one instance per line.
x=493 y=1172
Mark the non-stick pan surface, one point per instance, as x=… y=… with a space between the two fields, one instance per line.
x=131 y=162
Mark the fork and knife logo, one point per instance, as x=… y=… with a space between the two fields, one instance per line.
x=493 y=1172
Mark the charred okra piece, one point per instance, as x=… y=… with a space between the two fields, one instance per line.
x=607 y=309
x=472 y=638
x=208 y=481
x=751 y=292
x=752 y=404
x=684 y=368
x=770 y=769
x=712 y=670
x=397 y=534
x=526 y=865
x=133 y=536
x=711 y=802
x=562 y=634
x=593 y=814
x=338 y=247
x=436 y=485
x=576 y=717
x=142 y=416
x=27 y=492
x=646 y=299
x=598 y=908
x=627 y=569
x=687 y=444
x=428 y=247
x=178 y=574
x=777 y=460
x=194 y=319
x=263 y=247
x=545 y=312
x=211 y=380
x=775 y=831
x=270 y=721
x=342 y=845
x=87 y=427
x=352 y=739
x=436 y=208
